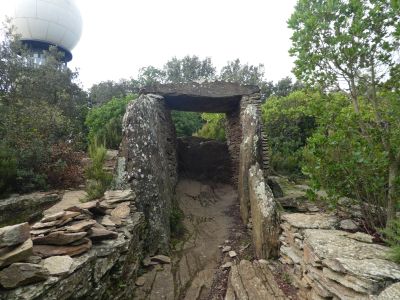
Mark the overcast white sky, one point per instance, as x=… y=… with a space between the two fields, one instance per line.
x=121 y=36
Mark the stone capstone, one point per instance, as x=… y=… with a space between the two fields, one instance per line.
x=20 y=274
x=14 y=235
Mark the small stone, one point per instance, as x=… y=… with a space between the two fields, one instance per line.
x=14 y=235
x=53 y=217
x=232 y=254
x=33 y=260
x=45 y=251
x=226 y=265
x=161 y=259
x=348 y=225
x=80 y=226
x=140 y=281
x=121 y=211
x=106 y=221
x=11 y=255
x=226 y=249
x=20 y=274
x=40 y=225
x=58 y=265
x=59 y=238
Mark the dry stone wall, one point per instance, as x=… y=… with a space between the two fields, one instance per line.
x=326 y=263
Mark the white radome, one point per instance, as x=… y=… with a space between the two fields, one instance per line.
x=56 y=22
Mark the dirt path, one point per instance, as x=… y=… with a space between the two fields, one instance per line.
x=196 y=258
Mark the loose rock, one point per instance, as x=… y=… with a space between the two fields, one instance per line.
x=13 y=255
x=20 y=274
x=14 y=235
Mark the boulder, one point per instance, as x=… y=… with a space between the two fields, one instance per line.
x=58 y=265
x=14 y=235
x=20 y=274
x=45 y=251
x=59 y=238
x=11 y=255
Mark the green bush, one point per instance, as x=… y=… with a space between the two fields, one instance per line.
x=99 y=180
x=8 y=170
x=214 y=127
x=288 y=122
x=105 y=122
x=186 y=123
x=392 y=236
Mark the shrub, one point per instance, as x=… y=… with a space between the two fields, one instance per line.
x=99 y=180
x=105 y=122
x=214 y=128
x=392 y=236
x=8 y=170
x=186 y=123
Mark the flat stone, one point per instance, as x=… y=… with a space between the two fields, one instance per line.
x=89 y=205
x=45 y=251
x=40 y=225
x=98 y=234
x=121 y=211
x=311 y=221
x=14 y=235
x=205 y=97
x=20 y=274
x=106 y=221
x=42 y=231
x=80 y=226
x=232 y=254
x=80 y=210
x=348 y=224
x=11 y=255
x=33 y=260
x=58 y=265
x=161 y=259
x=116 y=196
x=226 y=249
x=70 y=215
x=140 y=281
x=59 y=238
x=53 y=217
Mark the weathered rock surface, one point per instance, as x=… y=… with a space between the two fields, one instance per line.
x=161 y=259
x=149 y=149
x=348 y=224
x=19 y=209
x=390 y=293
x=98 y=234
x=14 y=235
x=19 y=253
x=121 y=211
x=328 y=263
x=252 y=281
x=58 y=265
x=265 y=217
x=20 y=274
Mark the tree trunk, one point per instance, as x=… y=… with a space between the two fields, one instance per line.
x=393 y=190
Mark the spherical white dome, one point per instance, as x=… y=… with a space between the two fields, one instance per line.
x=56 y=22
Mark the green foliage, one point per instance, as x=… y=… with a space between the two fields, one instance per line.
x=392 y=236
x=214 y=128
x=105 y=122
x=8 y=170
x=105 y=91
x=99 y=179
x=186 y=123
x=289 y=121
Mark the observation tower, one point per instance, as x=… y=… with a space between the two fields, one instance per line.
x=45 y=23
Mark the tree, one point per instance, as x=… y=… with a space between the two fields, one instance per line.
x=189 y=68
x=285 y=86
x=104 y=91
x=349 y=46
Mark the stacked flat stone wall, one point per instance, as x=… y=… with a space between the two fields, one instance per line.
x=234 y=137
x=326 y=263
x=149 y=152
